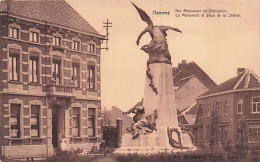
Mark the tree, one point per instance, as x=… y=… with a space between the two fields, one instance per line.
x=214 y=128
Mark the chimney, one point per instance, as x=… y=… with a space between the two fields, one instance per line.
x=182 y=64
x=240 y=70
x=179 y=65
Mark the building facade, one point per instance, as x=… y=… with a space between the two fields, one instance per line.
x=49 y=79
x=230 y=112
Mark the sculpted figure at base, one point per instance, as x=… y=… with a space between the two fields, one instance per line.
x=141 y=124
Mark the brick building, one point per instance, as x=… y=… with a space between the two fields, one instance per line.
x=230 y=112
x=49 y=79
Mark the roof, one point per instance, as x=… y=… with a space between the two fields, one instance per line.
x=191 y=110
x=244 y=80
x=183 y=81
x=184 y=72
x=190 y=118
x=56 y=12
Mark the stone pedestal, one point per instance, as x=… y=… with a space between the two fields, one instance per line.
x=164 y=103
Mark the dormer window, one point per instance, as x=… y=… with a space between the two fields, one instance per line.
x=56 y=41
x=13 y=32
x=34 y=37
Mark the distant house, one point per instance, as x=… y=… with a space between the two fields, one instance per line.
x=189 y=81
x=110 y=117
x=230 y=112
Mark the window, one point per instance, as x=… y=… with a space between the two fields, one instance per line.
x=208 y=110
x=91 y=77
x=33 y=70
x=15 y=121
x=56 y=72
x=13 y=32
x=222 y=133
x=56 y=41
x=217 y=106
x=256 y=105
x=75 y=74
x=91 y=122
x=225 y=107
x=254 y=133
x=35 y=131
x=76 y=45
x=76 y=119
x=91 y=48
x=200 y=111
x=239 y=105
x=34 y=37
x=225 y=134
x=13 y=67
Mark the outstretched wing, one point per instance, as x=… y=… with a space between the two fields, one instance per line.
x=143 y=15
x=164 y=28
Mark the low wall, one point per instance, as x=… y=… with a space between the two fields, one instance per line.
x=83 y=146
x=24 y=151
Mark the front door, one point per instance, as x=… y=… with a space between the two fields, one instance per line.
x=58 y=127
x=54 y=127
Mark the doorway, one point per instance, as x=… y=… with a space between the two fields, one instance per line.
x=54 y=127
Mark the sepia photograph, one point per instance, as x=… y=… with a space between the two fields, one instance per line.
x=121 y=80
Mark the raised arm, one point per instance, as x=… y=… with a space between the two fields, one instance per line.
x=164 y=28
x=133 y=108
x=129 y=111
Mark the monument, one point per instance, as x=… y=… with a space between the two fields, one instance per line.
x=155 y=125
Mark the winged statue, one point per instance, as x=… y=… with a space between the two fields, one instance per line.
x=157 y=49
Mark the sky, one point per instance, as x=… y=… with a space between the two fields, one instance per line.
x=219 y=45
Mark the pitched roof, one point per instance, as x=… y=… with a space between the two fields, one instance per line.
x=186 y=71
x=191 y=110
x=244 y=80
x=56 y=12
x=190 y=118
x=183 y=81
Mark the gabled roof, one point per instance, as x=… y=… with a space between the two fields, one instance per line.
x=244 y=80
x=184 y=72
x=56 y=12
